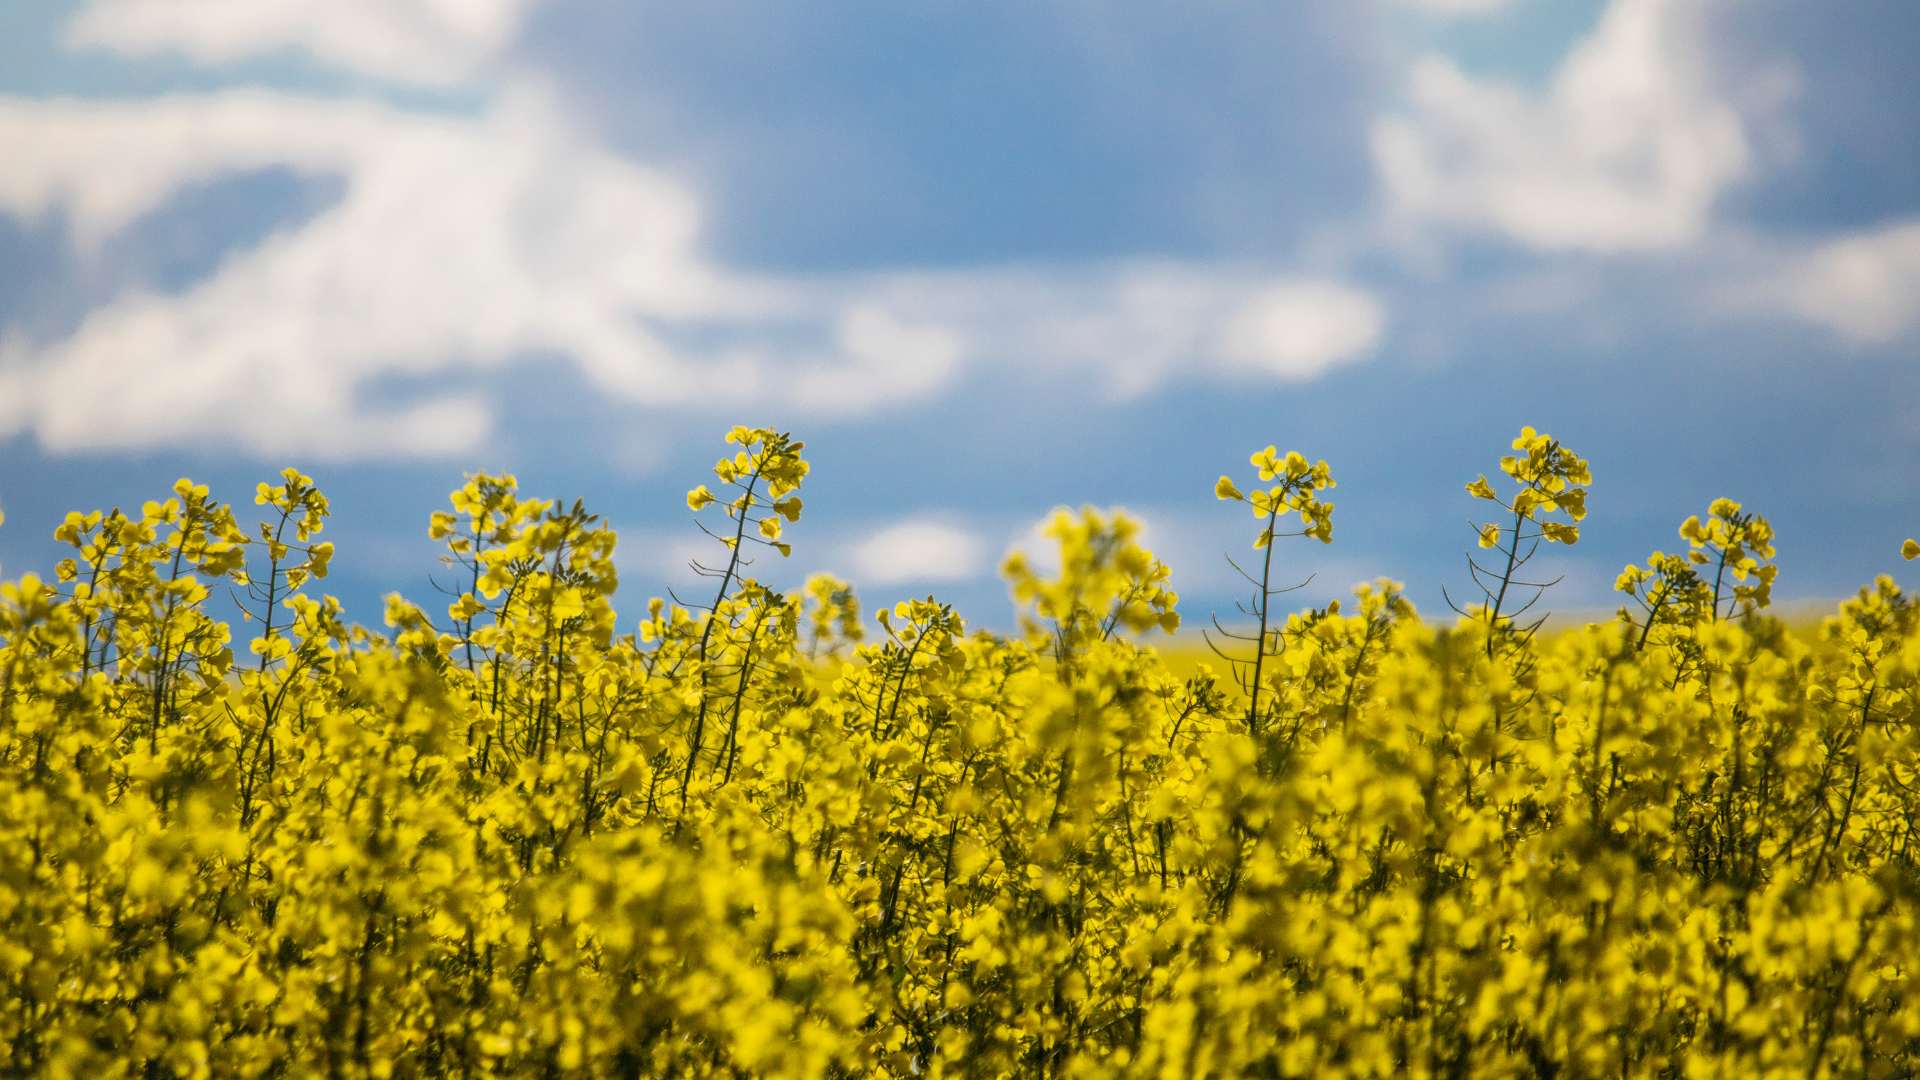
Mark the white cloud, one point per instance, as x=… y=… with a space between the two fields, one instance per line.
x=429 y=42
x=461 y=245
x=1297 y=331
x=1457 y=8
x=1862 y=286
x=918 y=549
x=1627 y=149
x=458 y=244
x=1124 y=329
x=886 y=360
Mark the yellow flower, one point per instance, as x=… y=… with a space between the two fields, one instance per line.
x=1559 y=534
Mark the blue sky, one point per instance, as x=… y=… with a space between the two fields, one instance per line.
x=986 y=258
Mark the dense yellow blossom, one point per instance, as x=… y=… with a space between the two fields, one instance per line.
x=519 y=836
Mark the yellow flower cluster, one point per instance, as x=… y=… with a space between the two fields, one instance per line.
x=1550 y=478
x=740 y=839
x=1297 y=490
x=1107 y=581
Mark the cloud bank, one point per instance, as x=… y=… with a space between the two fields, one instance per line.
x=466 y=245
x=1628 y=149
x=427 y=42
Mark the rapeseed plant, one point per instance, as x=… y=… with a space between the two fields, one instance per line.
x=757 y=836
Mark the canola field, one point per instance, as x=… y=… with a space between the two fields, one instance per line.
x=756 y=834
